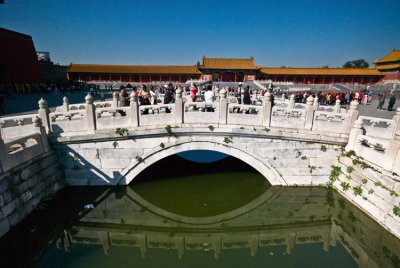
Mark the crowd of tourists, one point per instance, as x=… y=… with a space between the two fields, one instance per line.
x=165 y=94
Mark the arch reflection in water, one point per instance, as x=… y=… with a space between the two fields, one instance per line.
x=284 y=227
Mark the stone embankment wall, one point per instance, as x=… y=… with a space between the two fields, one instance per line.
x=23 y=187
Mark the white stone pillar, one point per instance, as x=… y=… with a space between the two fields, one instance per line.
x=65 y=104
x=217 y=246
x=316 y=103
x=38 y=128
x=337 y=107
x=290 y=242
x=180 y=244
x=396 y=119
x=44 y=114
x=353 y=112
x=4 y=157
x=267 y=108
x=253 y=245
x=396 y=162
x=291 y=102
x=309 y=113
x=115 y=100
x=90 y=112
x=223 y=107
x=134 y=110
x=392 y=152
x=178 y=109
x=355 y=131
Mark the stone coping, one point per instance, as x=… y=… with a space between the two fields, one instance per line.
x=204 y=129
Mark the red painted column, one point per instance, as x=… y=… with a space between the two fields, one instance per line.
x=220 y=77
x=170 y=78
x=235 y=77
x=313 y=80
x=140 y=78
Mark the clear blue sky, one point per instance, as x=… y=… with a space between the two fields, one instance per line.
x=283 y=32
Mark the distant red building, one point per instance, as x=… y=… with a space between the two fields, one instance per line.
x=18 y=60
x=221 y=69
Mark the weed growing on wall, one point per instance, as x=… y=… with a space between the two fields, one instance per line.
x=123 y=132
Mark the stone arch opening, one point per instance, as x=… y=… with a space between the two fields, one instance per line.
x=258 y=163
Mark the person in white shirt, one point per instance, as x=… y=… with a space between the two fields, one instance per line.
x=209 y=95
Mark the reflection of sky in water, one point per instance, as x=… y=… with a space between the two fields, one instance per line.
x=202 y=156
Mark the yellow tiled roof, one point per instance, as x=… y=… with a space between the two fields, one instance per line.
x=388 y=66
x=320 y=71
x=132 y=69
x=393 y=56
x=227 y=63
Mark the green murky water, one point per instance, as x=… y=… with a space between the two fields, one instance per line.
x=199 y=216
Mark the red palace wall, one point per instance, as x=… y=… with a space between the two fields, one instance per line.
x=18 y=60
x=392 y=76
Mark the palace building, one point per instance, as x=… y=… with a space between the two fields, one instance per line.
x=390 y=65
x=221 y=69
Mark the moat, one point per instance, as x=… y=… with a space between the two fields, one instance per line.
x=179 y=213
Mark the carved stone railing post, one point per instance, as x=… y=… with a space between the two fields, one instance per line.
x=44 y=114
x=396 y=119
x=316 y=103
x=309 y=113
x=353 y=112
x=134 y=110
x=90 y=112
x=267 y=107
x=396 y=154
x=115 y=102
x=178 y=110
x=392 y=152
x=291 y=102
x=223 y=107
x=38 y=128
x=4 y=157
x=65 y=104
x=337 y=107
x=355 y=131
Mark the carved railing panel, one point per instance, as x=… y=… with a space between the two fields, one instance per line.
x=201 y=112
x=331 y=122
x=378 y=127
x=71 y=121
x=372 y=149
x=111 y=117
x=287 y=118
x=23 y=149
x=156 y=114
x=241 y=114
x=16 y=126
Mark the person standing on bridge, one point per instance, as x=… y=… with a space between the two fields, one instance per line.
x=392 y=101
x=193 y=92
x=381 y=99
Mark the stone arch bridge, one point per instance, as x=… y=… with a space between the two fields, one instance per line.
x=289 y=143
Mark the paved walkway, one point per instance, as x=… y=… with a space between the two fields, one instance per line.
x=23 y=104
